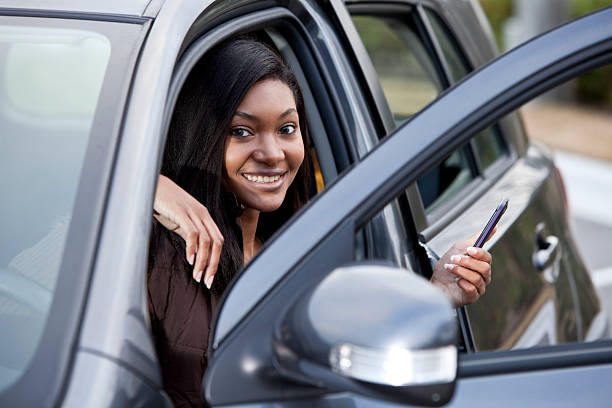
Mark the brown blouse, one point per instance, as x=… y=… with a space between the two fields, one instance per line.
x=181 y=312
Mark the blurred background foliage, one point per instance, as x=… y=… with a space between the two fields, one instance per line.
x=594 y=88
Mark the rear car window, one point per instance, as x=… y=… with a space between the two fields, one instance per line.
x=416 y=58
x=405 y=71
x=489 y=143
x=50 y=82
x=410 y=80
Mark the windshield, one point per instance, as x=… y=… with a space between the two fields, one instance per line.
x=50 y=82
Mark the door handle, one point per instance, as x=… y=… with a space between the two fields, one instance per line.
x=546 y=254
x=543 y=258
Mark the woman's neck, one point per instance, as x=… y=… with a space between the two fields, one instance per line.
x=248 y=225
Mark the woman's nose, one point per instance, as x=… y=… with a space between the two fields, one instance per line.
x=270 y=149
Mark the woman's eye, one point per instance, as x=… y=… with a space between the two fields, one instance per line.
x=240 y=132
x=287 y=129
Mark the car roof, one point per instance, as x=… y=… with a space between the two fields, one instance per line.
x=117 y=7
x=125 y=7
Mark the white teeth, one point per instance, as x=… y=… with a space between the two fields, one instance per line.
x=262 y=179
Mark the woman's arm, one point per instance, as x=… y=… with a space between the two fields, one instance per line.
x=179 y=212
x=462 y=273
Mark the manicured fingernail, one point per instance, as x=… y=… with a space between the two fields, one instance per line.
x=456 y=258
x=450 y=267
x=472 y=251
x=199 y=277
x=209 y=281
x=191 y=259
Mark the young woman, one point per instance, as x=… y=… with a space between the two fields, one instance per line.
x=235 y=168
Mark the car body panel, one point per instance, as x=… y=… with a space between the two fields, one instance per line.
x=106 y=7
x=532 y=188
x=565 y=387
x=572 y=318
x=555 y=388
x=100 y=381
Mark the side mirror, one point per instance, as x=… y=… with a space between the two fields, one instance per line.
x=379 y=331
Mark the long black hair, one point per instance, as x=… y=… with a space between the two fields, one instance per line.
x=194 y=153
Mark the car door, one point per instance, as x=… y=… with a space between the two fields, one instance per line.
x=242 y=370
x=414 y=51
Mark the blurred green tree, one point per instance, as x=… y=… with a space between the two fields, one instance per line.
x=594 y=88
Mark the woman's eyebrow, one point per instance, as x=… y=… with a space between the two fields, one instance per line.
x=255 y=118
x=246 y=115
x=287 y=112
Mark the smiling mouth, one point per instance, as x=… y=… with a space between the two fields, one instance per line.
x=262 y=179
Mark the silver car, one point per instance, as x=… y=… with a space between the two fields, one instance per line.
x=414 y=151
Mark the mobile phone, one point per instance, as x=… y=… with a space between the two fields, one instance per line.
x=486 y=232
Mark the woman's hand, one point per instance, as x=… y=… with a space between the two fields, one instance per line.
x=178 y=211
x=463 y=272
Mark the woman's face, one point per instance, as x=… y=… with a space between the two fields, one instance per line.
x=264 y=148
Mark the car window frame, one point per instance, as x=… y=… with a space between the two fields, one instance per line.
x=409 y=10
x=341 y=115
x=55 y=350
x=334 y=228
x=432 y=221
x=439 y=217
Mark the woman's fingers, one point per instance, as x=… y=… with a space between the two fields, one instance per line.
x=190 y=232
x=480 y=254
x=191 y=245
x=210 y=243
x=465 y=272
x=203 y=253
x=203 y=241
x=482 y=267
x=178 y=211
x=470 y=291
x=215 y=255
x=474 y=268
x=469 y=275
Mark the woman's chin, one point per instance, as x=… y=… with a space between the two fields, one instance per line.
x=269 y=208
x=265 y=207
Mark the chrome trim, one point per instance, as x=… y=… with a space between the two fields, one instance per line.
x=395 y=366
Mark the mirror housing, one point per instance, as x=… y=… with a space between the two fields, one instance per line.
x=376 y=330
